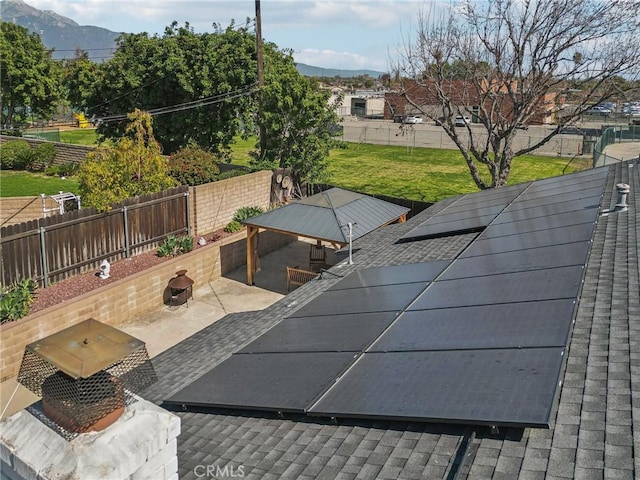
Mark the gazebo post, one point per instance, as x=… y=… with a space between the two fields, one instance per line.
x=251 y=247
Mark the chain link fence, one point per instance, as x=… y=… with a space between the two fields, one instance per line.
x=50 y=134
x=611 y=135
x=425 y=136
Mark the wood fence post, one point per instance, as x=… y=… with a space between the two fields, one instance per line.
x=43 y=259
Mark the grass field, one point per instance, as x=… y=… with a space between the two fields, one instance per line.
x=20 y=184
x=79 y=136
x=418 y=173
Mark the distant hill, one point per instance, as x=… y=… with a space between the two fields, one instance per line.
x=310 y=71
x=61 y=33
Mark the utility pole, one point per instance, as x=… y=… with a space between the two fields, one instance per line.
x=263 y=133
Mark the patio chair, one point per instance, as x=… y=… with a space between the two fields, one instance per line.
x=297 y=276
x=317 y=257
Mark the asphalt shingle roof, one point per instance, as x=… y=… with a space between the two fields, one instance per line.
x=595 y=434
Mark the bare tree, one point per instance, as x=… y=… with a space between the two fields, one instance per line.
x=510 y=62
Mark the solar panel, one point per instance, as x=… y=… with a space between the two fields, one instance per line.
x=269 y=381
x=587 y=175
x=538 y=238
x=499 y=202
x=547 y=210
x=478 y=340
x=386 y=298
x=544 y=198
x=519 y=261
x=335 y=333
x=510 y=325
x=505 y=193
x=492 y=387
x=447 y=229
x=576 y=185
x=535 y=285
x=542 y=223
x=392 y=275
x=465 y=212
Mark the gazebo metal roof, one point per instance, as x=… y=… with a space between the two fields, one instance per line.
x=324 y=216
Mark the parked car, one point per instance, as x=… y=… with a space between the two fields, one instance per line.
x=461 y=121
x=599 y=109
x=412 y=119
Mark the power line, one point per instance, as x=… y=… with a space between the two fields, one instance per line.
x=85 y=49
x=246 y=91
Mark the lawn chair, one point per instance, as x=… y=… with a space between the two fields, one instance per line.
x=317 y=257
x=297 y=276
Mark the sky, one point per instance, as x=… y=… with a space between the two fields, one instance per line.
x=342 y=34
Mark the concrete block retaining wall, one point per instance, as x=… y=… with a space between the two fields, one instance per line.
x=130 y=297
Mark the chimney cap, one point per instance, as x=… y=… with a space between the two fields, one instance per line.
x=84 y=349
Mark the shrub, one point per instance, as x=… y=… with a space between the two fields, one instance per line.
x=16 y=155
x=244 y=213
x=45 y=153
x=65 y=170
x=233 y=226
x=16 y=300
x=193 y=165
x=174 y=245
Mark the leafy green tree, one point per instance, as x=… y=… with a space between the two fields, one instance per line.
x=298 y=121
x=132 y=166
x=29 y=78
x=210 y=75
x=213 y=77
x=80 y=74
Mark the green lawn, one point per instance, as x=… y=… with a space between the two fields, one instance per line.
x=79 y=136
x=423 y=174
x=420 y=173
x=19 y=184
x=240 y=150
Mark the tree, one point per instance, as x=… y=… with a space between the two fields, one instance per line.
x=298 y=121
x=507 y=63
x=80 y=74
x=197 y=86
x=193 y=165
x=29 y=78
x=132 y=166
x=202 y=90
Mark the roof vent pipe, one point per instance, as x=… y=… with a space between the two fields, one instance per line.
x=623 y=190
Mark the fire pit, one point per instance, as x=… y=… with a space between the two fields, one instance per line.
x=83 y=373
x=181 y=288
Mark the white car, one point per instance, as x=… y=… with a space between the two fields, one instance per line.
x=412 y=119
x=599 y=110
x=462 y=121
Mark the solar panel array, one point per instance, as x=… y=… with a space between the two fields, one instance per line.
x=479 y=340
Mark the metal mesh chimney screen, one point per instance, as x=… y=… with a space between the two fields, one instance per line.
x=83 y=372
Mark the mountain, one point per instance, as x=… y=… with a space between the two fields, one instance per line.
x=61 y=33
x=310 y=71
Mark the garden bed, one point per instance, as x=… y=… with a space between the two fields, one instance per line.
x=81 y=284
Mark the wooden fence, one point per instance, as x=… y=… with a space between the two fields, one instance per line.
x=54 y=248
